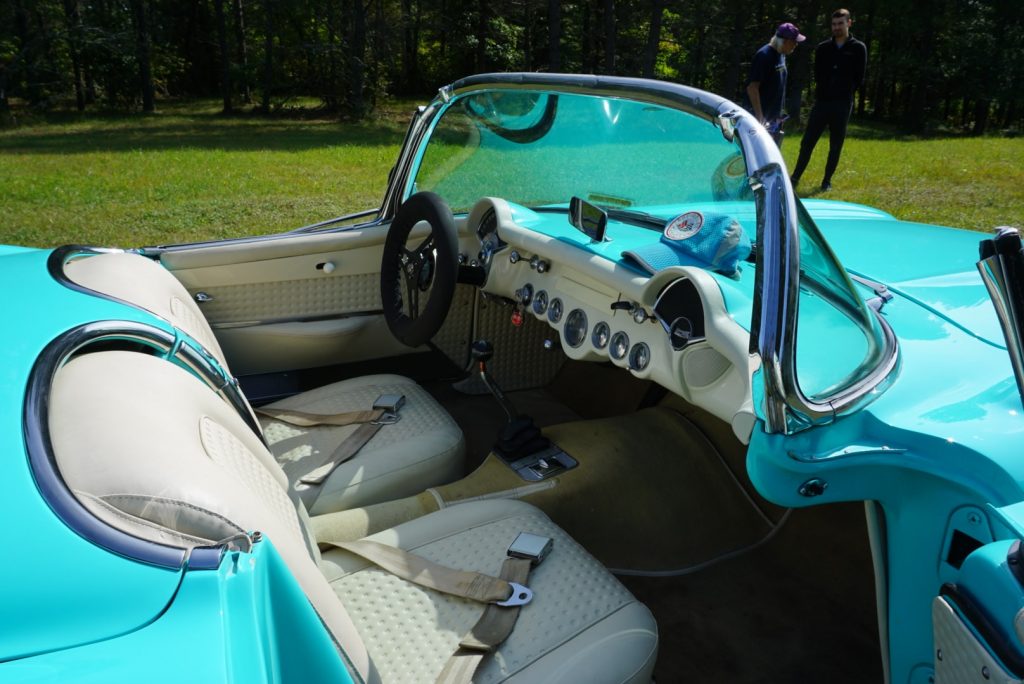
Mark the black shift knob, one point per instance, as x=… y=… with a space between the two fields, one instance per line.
x=481 y=351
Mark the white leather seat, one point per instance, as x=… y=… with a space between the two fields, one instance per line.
x=181 y=467
x=582 y=626
x=423 y=449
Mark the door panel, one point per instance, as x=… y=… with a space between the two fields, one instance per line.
x=977 y=620
x=293 y=302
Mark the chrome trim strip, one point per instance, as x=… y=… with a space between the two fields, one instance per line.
x=297 y=319
x=330 y=222
x=43 y=463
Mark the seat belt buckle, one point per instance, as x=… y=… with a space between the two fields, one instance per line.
x=390 y=404
x=532 y=547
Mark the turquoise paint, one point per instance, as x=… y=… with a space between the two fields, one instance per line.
x=931 y=265
x=82 y=581
x=248 y=621
x=13 y=249
x=942 y=438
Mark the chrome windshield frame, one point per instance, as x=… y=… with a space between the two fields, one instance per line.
x=786 y=408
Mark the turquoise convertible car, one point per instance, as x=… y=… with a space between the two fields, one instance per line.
x=590 y=397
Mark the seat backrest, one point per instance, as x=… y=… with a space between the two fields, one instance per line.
x=145 y=283
x=151 y=450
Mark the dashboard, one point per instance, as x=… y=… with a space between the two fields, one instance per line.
x=671 y=327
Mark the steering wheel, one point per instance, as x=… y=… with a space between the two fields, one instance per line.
x=429 y=270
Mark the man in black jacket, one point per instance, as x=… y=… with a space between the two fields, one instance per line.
x=839 y=65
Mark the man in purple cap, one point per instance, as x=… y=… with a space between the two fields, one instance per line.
x=766 y=85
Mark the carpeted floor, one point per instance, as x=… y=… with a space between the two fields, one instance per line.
x=666 y=489
x=799 y=609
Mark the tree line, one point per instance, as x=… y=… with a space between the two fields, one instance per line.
x=956 y=64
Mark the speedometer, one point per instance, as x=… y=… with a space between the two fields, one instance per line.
x=575 y=328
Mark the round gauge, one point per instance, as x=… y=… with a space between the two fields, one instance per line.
x=619 y=346
x=555 y=310
x=639 y=356
x=540 y=302
x=575 y=328
x=601 y=335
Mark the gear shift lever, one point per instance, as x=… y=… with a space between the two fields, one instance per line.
x=520 y=437
x=480 y=353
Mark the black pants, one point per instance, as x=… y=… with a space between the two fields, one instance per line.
x=835 y=114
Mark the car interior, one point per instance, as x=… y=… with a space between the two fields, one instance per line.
x=562 y=394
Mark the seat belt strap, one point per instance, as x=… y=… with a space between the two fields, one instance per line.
x=348 y=448
x=426 y=573
x=304 y=419
x=504 y=595
x=493 y=627
x=384 y=412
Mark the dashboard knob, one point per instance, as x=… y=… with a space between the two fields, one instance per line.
x=534 y=260
x=543 y=266
x=514 y=257
x=548 y=344
x=524 y=295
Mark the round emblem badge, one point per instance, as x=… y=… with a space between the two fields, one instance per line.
x=684 y=226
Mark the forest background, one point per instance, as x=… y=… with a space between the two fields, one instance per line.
x=935 y=66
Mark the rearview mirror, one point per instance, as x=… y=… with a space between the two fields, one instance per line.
x=589 y=219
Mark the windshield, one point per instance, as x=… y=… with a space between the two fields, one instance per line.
x=839 y=340
x=540 y=149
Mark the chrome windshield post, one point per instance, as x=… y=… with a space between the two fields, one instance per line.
x=779 y=272
x=1002 y=270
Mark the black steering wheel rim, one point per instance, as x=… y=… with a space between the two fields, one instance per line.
x=433 y=265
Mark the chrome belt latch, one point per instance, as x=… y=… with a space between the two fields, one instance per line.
x=532 y=547
x=390 y=404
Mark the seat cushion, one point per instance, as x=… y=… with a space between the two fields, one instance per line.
x=424 y=448
x=582 y=625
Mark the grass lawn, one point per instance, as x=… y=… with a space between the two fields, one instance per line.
x=189 y=174
x=186 y=174
x=971 y=183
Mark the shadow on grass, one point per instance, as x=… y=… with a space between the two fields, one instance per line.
x=200 y=124
x=213 y=133
x=868 y=129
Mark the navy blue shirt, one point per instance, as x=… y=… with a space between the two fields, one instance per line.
x=769 y=69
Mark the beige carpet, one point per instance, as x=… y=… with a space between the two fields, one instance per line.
x=650 y=493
